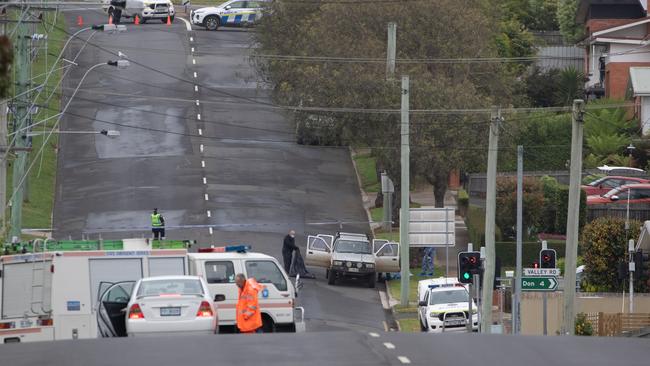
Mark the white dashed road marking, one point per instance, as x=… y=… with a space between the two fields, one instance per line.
x=191 y=39
x=195 y=75
x=210 y=230
x=209 y=213
x=193 y=61
x=200 y=132
x=197 y=102
x=196 y=88
x=374 y=335
x=389 y=345
x=205 y=180
x=201 y=147
x=198 y=116
x=403 y=359
x=188 y=25
x=206 y=197
x=192 y=49
x=202 y=163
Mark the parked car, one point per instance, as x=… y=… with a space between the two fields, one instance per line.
x=638 y=193
x=158 y=305
x=622 y=170
x=606 y=184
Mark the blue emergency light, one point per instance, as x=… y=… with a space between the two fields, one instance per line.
x=226 y=249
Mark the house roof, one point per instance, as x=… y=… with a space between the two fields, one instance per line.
x=640 y=81
x=632 y=23
x=584 y=5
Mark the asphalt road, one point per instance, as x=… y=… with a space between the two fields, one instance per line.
x=228 y=160
x=335 y=348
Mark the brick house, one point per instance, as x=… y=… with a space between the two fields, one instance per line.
x=617 y=38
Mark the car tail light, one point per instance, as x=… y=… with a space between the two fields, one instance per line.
x=8 y=325
x=46 y=322
x=135 y=312
x=205 y=310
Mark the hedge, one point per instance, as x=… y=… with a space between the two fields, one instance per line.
x=507 y=252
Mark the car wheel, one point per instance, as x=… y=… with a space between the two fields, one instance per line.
x=422 y=326
x=268 y=326
x=372 y=280
x=143 y=20
x=211 y=22
x=331 y=277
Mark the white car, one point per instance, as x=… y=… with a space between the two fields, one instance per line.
x=158 y=305
x=144 y=9
x=444 y=308
x=230 y=13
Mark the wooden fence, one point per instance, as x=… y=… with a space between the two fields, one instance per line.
x=614 y=325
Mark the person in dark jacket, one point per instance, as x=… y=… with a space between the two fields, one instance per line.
x=288 y=247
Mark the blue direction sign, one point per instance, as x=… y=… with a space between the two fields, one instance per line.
x=538 y=283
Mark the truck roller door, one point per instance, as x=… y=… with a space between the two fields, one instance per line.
x=112 y=270
x=166 y=266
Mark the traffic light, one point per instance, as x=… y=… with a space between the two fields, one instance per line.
x=547 y=258
x=469 y=264
x=641 y=265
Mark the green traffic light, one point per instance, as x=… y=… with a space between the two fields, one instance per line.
x=466 y=275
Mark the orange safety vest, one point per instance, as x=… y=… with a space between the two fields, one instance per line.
x=249 y=317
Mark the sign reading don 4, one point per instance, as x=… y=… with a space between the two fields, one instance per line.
x=538 y=283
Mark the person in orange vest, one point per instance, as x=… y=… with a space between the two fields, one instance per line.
x=249 y=317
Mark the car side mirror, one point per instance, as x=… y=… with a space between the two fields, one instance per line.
x=422 y=303
x=219 y=298
x=228 y=7
x=614 y=198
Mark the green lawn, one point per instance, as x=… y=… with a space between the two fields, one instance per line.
x=392 y=236
x=395 y=286
x=367 y=168
x=37 y=212
x=410 y=325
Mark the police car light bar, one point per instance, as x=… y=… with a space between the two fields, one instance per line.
x=225 y=249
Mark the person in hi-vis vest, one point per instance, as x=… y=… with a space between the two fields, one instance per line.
x=157 y=225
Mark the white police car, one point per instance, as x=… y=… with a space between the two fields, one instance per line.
x=230 y=13
x=443 y=306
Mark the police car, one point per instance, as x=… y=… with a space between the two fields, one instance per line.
x=443 y=307
x=230 y=13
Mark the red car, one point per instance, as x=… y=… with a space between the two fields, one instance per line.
x=640 y=193
x=606 y=184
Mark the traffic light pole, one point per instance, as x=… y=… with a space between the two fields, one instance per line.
x=470 y=318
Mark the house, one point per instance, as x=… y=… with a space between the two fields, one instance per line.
x=617 y=38
x=639 y=91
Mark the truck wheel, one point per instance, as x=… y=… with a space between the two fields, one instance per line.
x=268 y=326
x=372 y=279
x=331 y=277
x=211 y=22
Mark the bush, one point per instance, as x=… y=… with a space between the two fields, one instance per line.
x=506 y=214
x=583 y=326
x=603 y=245
x=507 y=252
x=550 y=188
x=562 y=205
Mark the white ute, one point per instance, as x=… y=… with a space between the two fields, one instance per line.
x=443 y=306
x=144 y=9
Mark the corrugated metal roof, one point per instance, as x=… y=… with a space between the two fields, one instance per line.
x=640 y=80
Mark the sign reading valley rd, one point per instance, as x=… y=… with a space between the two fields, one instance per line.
x=555 y=272
x=538 y=283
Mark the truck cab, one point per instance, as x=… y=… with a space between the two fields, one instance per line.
x=352 y=255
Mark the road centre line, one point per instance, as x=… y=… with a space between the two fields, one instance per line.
x=195 y=75
x=210 y=230
x=205 y=180
x=206 y=197
x=373 y=334
x=200 y=132
x=202 y=163
x=197 y=102
x=403 y=359
x=193 y=61
x=201 y=147
x=209 y=213
x=188 y=25
x=198 y=116
x=389 y=345
x=196 y=88
x=191 y=39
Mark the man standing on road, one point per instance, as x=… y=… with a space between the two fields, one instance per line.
x=288 y=246
x=249 y=317
x=157 y=225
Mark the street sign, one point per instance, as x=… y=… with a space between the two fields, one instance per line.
x=538 y=283
x=555 y=272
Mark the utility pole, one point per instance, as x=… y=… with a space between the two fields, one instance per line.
x=391 y=50
x=23 y=65
x=3 y=169
x=490 y=214
x=405 y=186
x=573 y=214
x=631 y=269
x=520 y=228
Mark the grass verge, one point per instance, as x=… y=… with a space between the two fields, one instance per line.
x=409 y=325
x=40 y=184
x=395 y=286
x=367 y=168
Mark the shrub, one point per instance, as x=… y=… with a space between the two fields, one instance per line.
x=603 y=245
x=583 y=326
x=562 y=204
x=506 y=214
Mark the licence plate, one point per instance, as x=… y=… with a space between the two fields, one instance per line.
x=455 y=322
x=353 y=269
x=170 y=311
x=25 y=323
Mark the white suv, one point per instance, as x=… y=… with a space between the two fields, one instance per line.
x=230 y=13
x=443 y=306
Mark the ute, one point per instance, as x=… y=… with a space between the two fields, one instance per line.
x=352 y=255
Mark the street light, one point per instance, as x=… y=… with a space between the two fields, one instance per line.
x=630 y=150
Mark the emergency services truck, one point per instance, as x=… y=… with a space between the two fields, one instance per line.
x=50 y=290
x=219 y=265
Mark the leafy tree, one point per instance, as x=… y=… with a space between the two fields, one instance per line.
x=570 y=86
x=6 y=58
x=566 y=17
x=538 y=15
x=533 y=199
x=603 y=245
x=608 y=131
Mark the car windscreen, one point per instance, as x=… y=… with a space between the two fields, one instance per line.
x=597 y=182
x=349 y=246
x=612 y=192
x=170 y=287
x=448 y=296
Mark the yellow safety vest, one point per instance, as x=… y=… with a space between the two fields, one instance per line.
x=155 y=220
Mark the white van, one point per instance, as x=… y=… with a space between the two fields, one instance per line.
x=218 y=266
x=144 y=9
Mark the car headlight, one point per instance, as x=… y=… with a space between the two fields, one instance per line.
x=474 y=311
x=349 y=264
x=338 y=263
x=434 y=314
x=370 y=265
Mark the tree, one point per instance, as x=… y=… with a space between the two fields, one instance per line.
x=6 y=58
x=566 y=17
x=426 y=30
x=603 y=245
x=533 y=200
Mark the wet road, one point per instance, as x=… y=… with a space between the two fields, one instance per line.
x=200 y=140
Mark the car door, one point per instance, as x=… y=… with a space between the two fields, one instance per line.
x=387 y=258
x=111 y=312
x=233 y=13
x=329 y=239
x=377 y=244
x=423 y=309
x=252 y=12
x=220 y=277
x=319 y=253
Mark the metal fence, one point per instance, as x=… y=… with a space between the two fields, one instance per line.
x=637 y=212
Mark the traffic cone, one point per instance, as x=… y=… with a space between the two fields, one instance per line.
x=80 y=21
x=169 y=20
x=110 y=19
x=137 y=20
